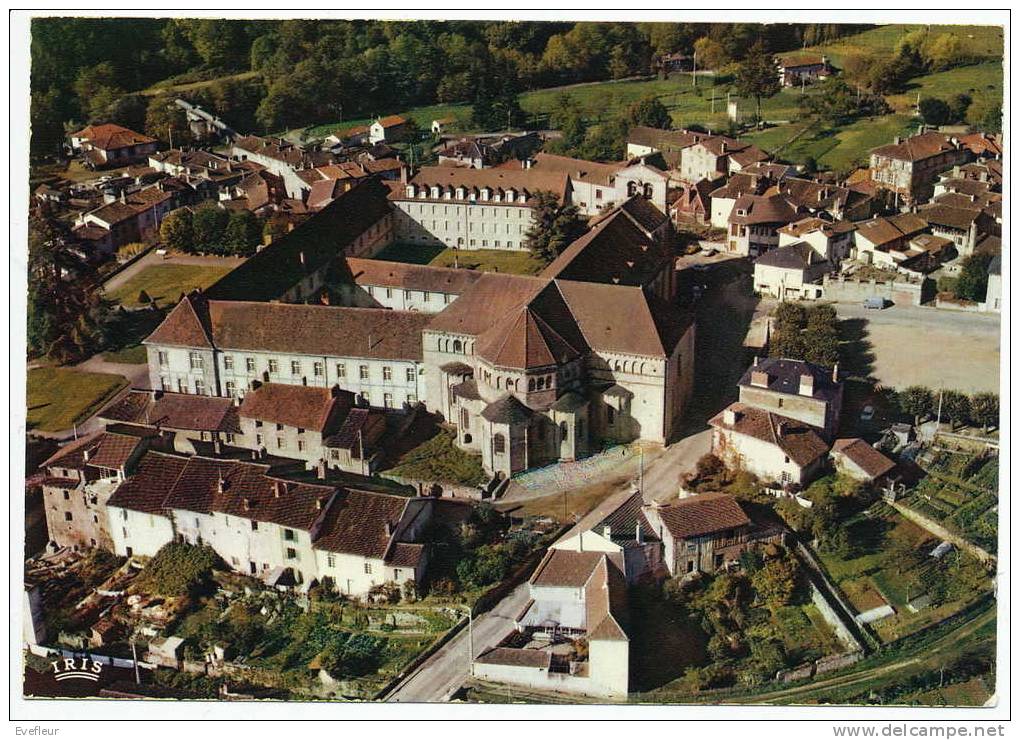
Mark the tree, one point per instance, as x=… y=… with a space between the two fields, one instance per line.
x=972 y=284
x=177 y=231
x=180 y=569
x=243 y=233
x=553 y=228
x=959 y=104
x=984 y=408
x=711 y=54
x=758 y=77
x=209 y=224
x=776 y=581
x=955 y=407
x=649 y=111
x=821 y=336
x=917 y=401
x=943 y=52
x=934 y=112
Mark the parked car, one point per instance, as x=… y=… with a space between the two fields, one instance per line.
x=877 y=303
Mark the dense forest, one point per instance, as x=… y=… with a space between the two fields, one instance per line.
x=272 y=75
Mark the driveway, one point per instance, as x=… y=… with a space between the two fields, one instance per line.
x=449 y=668
x=937 y=348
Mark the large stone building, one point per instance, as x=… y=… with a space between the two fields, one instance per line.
x=220 y=348
x=595 y=186
x=797 y=389
x=109 y=145
x=909 y=167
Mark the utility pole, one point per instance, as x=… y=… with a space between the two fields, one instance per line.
x=938 y=415
x=694 y=70
x=170 y=134
x=471 y=642
x=134 y=657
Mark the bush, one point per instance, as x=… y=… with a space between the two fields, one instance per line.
x=356 y=656
x=180 y=569
x=486 y=565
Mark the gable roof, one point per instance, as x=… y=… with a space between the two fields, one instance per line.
x=356 y=523
x=408 y=276
x=111 y=136
x=102 y=449
x=391 y=121
x=796 y=256
x=565 y=568
x=762 y=209
x=701 y=514
x=784 y=377
x=174 y=411
x=599 y=173
x=864 y=456
x=622 y=513
x=302 y=406
x=800 y=60
x=916 y=148
x=293 y=328
x=492 y=294
x=524 y=341
x=798 y=441
x=153 y=479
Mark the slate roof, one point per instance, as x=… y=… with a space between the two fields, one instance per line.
x=864 y=456
x=702 y=514
x=174 y=411
x=784 y=377
x=796 y=256
x=507 y=410
x=798 y=441
x=291 y=328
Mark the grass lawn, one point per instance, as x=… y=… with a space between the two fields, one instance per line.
x=977 y=41
x=486 y=260
x=439 y=459
x=132 y=355
x=165 y=283
x=59 y=397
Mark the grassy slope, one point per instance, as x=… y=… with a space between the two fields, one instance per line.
x=59 y=397
x=165 y=283
x=976 y=41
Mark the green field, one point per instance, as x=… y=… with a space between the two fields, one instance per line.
x=976 y=41
x=485 y=260
x=59 y=397
x=165 y=283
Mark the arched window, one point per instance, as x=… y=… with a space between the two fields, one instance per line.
x=531 y=384
x=541 y=383
x=499 y=444
x=616 y=366
x=456 y=345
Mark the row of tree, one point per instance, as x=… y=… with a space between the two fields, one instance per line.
x=801 y=333
x=981 y=409
x=212 y=230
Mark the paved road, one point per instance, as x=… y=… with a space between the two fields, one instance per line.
x=448 y=669
x=928 y=346
x=662 y=475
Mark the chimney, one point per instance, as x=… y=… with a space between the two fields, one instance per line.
x=221 y=486
x=730 y=417
x=756 y=361
x=807 y=384
x=86 y=454
x=760 y=379
x=320 y=469
x=638 y=535
x=318 y=504
x=835 y=373
x=724 y=147
x=403 y=174
x=247 y=503
x=897 y=140
x=389 y=529
x=301 y=256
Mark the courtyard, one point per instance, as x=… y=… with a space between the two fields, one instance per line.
x=515 y=262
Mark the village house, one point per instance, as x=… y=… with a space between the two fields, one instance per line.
x=388 y=129
x=909 y=167
x=645 y=140
x=263 y=525
x=186 y=418
x=773 y=447
x=619 y=526
x=859 y=460
x=80 y=478
x=825 y=199
x=800 y=69
x=753 y=180
x=713 y=157
x=755 y=221
x=874 y=240
x=832 y=240
x=993 y=293
x=691 y=201
x=571 y=636
x=283 y=159
x=134 y=217
x=197 y=164
x=467 y=153
x=109 y=145
x=403 y=286
x=797 y=389
x=595 y=186
x=705 y=532
x=962 y=226
x=791 y=272
x=568 y=365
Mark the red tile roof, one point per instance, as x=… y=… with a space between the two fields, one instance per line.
x=305 y=407
x=702 y=514
x=108 y=136
x=799 y=441
x=864 y=456
x=411 y=277
x=357 y=522
x=565 y=568
x=174 y=411
x=916 y=148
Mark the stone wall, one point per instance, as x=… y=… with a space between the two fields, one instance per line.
x=844 y=290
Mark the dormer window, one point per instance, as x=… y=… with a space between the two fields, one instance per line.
x=435 y=191
x=511 y=195
x=485 y=193
x=410 y=191
x=460 y=193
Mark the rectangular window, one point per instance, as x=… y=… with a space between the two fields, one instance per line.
x=318 y=370
x=425 y=296
x=199 y=387
x=259 y=439
x=196 y=361
x=341 y=370
x=67 y=495
x=368 y=568
x=387 y=372
x=412 y=398
x=281 y=443
x=363 y=372
x=182 y=387
x=254 y=526
x=274 y=367
x=301 y=445
x=291 y=553
x=331 y=561
x=163 y=359
x=164 y=383
x=67 y=516
x=249 y=364
x=388 y=400
x=231 y=386
x=295 y=367
x=396 y=574
x=228 y=362
x=389 y=292
x=410 y=375
x=288 y=534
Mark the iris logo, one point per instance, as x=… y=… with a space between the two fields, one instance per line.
x=83 y=668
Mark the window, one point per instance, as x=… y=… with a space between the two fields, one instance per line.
x=301 y=445
x=368 y=568
x=363 y=372
x=410 y=375
x=249 y=364
x=387 y=372
x=231 y=386
x=389 y=292
x=182 y=387
x=295 y=367
x=199 y=387
x=163 y=359
x=234 y=561
x=288 y=534
x=331 y=561
x=499 y=444
x=67 y=495
x=67 y=516
x=164 y=383
x=611 y=414
x=228 y=362
x=254 y=526
x=412 y=398
x=388 y=400
x=281 y=443
x=274 y=367
x=341 y=370
x=425 y=296
x=123 y=514
x=396 y=574
x=780 y=403
x=291 y=553
x=259 y=439
x=196 y=361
